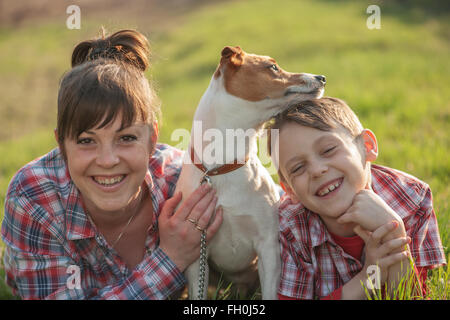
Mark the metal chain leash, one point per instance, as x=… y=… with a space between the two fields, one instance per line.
x=202 y=271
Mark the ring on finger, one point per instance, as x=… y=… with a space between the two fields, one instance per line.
x=192 y=221
x=199 y=228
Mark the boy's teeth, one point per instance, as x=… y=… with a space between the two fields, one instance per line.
x=108 y=181
x=329 y=188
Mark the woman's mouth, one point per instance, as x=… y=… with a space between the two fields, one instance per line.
x=329 y=188
x=108 y=181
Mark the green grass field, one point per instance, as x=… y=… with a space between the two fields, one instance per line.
x=395 y=78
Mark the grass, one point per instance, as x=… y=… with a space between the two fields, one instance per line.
x=395 y=78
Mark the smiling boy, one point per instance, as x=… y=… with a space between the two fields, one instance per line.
x=342 y=214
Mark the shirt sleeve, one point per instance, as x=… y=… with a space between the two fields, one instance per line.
x=37 y=264
x=426 y=246
x=297 y=274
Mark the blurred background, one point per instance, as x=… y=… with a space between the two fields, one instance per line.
x=396 y=78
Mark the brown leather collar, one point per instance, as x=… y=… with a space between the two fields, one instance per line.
x=228 y=167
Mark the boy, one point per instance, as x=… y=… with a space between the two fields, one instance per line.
x=343 y=218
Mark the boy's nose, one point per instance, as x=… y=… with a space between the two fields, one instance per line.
x=318 y=169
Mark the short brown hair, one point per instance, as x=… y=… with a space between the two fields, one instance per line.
x=106 y=80
x=324 y=114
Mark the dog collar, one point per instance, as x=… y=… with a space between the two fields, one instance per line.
x=228 y=167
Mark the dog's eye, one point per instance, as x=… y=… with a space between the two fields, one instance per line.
x=274 y=67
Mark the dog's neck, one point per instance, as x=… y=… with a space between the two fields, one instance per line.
x=222 y=114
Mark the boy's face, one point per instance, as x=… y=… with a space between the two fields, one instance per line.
x=324 y=170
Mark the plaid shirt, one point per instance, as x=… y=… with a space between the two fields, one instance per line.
x=313 y=265
x=48 y=236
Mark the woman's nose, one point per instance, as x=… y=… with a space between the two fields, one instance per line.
x=107 y=157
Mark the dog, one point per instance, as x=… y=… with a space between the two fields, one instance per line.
x=245 y=91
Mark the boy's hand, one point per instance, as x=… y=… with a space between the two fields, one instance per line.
x=370 y=212
x=384 y=254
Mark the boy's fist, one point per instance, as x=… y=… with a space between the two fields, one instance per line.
x=370 y=212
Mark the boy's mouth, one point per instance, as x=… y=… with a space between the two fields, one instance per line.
x=329 y=187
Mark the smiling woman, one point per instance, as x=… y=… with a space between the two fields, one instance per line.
x=97 y=203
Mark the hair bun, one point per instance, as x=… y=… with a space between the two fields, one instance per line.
x=129 y=46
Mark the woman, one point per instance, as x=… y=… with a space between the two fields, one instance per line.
x=90 y=220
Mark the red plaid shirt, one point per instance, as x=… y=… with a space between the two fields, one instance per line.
x=48 y=234
x=313 y=265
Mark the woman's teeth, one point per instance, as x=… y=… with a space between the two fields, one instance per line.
x=108 y=181
x=329 y=188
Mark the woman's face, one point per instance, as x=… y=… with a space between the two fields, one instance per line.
x=108 y=165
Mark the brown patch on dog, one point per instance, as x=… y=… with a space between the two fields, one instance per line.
x=231 y=56
x=252 y=77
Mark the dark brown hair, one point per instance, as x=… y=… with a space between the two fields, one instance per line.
x=324 y=114
x=106 y=80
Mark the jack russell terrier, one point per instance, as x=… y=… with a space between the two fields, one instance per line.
x=245 y=91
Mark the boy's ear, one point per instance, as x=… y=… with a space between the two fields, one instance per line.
x=289 y=191
x=370 y=145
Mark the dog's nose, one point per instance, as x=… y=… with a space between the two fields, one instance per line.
x=321 y=79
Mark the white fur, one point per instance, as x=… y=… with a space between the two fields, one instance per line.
x=248 y=195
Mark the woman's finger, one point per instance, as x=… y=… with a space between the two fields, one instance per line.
x=186 y=207
x=215 y=224
x=170 y=205
x=204 y=219
x=200 y=208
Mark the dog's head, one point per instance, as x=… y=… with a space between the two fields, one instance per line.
x=255 y=78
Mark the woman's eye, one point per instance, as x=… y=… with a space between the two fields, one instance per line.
x=84 y=141
x=274 y=67
x=128 y=138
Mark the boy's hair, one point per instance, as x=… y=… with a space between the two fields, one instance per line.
x=324 y=114
x=106 y=80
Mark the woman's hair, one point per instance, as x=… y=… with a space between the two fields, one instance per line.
x=106 y=80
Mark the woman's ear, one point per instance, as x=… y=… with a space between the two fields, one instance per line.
x=370 y=145
x=155 y=134
x=289 y=191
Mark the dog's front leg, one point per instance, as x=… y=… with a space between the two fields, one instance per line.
x=193 y=277
x=269 y=267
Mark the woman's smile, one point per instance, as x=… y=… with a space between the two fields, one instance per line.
x=109 y=183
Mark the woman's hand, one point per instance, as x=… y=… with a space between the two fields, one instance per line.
x=178 y=229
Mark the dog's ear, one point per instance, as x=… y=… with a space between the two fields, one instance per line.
x=233 y=55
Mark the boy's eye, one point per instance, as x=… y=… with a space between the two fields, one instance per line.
x=297 y=169
x=329 y=150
